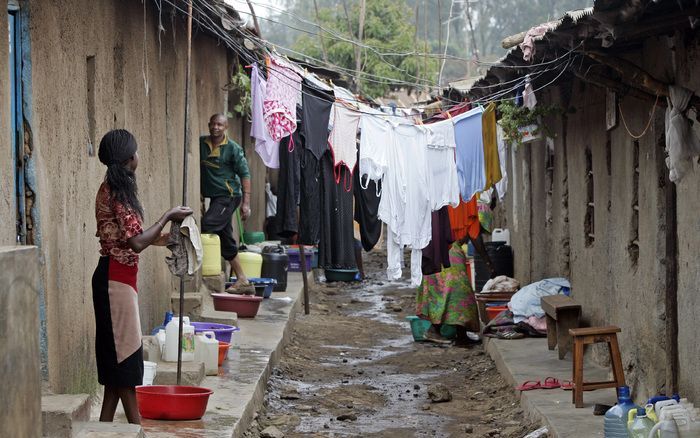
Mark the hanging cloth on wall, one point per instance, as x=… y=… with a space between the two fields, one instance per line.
x=502 y=185
x=281 y=98
x=336 y=248
x=492 y=162
x=265 y=146
x=470 y=152
x=440 y=159
x=343 y=138
x=316 y=110
x=681 y=142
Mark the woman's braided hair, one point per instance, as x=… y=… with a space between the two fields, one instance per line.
x=116 y=148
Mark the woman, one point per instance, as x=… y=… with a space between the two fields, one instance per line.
x=119 y=217
x=447 y=298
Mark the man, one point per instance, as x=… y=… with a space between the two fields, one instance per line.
x=225 y=179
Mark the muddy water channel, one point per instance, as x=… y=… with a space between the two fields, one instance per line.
x=352 y=369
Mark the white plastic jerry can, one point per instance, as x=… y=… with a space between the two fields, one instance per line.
x=206 y=349
x=171 y=347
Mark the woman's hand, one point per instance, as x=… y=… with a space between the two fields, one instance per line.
x=178 y=214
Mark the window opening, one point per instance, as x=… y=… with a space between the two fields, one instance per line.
x=589 y=221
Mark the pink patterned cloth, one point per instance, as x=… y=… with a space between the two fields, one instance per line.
x=282 y=95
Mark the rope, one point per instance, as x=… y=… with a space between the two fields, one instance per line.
x=646 y=128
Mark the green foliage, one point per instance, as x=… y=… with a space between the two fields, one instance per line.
x=514 y=117
x=240 y=84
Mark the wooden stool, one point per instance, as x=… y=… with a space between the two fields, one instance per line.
x=563 y=314
x=594 y=335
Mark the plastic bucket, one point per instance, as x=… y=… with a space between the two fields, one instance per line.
x=493 y=311
x=223 y=349
x=149 y=372
x=418 y=327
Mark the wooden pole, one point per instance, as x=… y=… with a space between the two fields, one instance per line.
x=185 y=157
x=302 y=256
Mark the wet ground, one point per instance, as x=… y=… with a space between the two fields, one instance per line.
x=353 y=369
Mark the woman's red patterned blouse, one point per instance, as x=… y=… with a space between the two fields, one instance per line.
x=115 y=225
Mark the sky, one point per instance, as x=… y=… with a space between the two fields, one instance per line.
x=258 y=6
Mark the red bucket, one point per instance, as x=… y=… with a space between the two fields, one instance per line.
x=172 y=402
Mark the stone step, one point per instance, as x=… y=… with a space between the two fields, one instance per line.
x=60 y=412
x=192 y=373
x=192 y=306
x=96 y=429
x=215 y=283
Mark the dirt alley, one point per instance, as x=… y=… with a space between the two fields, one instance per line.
x=353 y=369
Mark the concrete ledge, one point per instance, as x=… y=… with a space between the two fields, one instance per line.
x=192 y=373
x=529 y=359
x=59 y=413
x=107 y=430
x=239 y=388
x=192 y=304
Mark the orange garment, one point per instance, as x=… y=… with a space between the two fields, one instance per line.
x=492 y=162
x=464 y=219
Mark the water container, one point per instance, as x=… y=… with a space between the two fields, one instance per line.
x=171 y=336
x=149 y=372
x=640 y=425
x=206 y=349
x=500 y=235
x=251 y=263
x=160 y=337
x=211 y=261
x=616 y=417
x=275 y=265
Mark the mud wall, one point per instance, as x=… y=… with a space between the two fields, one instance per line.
x=100 y=65
x=688 y=201
x=588 y=210
x=7 y=188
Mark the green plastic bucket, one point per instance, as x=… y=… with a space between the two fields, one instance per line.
x=418 y=327
x=253 y=237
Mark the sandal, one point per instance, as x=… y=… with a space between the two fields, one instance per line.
x=551 y=383
x=529 y=385
x=567 y=385
x=239 y=288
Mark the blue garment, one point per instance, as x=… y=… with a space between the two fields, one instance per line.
x=526 y=302
x=471 y=169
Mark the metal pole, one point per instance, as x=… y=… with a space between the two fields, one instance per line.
x=302 y=256
x=184 y=177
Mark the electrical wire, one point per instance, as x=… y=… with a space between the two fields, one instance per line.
x=244 y=54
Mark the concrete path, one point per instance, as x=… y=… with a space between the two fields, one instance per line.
x=239 y=389
x=529 y=359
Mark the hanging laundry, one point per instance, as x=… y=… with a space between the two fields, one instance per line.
x=286 y=224
x=440 y=158
x=343 y=138
x=185 y=243
x=682 y=144
x=376 y=134
x=529 y=99
x=528 y=44
x=502 y=185
x=336 y=249
x=281 y=98
x=464 y=220
x=436 y=254
x=316 y=110
x=405 y=203
x=491 y=159
x=470 y=152
x=310 y=199
x=265 y=146
x=366 y=211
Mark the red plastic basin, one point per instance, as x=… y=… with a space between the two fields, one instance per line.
x=246 y=306
x=493 y=311
x=172 y=402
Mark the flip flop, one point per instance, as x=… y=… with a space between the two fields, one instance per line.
x=551 y=383
x=567 y=385
x=529 y=385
